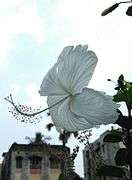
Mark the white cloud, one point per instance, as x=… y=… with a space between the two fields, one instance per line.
x=31 y=91
x=18 y=20
x=27 y=93
x=27 y=21
x=6 y=44
x=15 y=89
x=7 y=4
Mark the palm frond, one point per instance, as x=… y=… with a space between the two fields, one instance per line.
x=49 y=126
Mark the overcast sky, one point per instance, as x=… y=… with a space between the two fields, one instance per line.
x=33 y=33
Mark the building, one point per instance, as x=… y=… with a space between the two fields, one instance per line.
x=101 y=156
x=32 y=162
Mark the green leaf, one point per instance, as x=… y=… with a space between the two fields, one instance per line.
x=120 y=96
x=121 y=77
x=128 y=85
x=121 y=82
x=61 y=177
x=130 y=93
x=113 y=137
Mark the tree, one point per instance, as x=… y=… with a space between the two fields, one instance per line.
x=39 y=138
x=63 y=136
x=124 y=155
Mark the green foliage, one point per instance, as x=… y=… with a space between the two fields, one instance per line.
x=68 y=170
x=38 y=137
x=124 y=94
x=130 y=92
x=120 y=96
x=69 y=164
x=61 y=177
x=113 y=138
x=111 y=171
x=124 y=91
x=63 y=136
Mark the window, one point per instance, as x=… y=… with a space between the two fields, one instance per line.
x=35 y=162
x=19 y=162
x=87 y=154
x=54 y=163
x=103 y=148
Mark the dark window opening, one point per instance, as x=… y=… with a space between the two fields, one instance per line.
x=35 y=162
x=103 y=147
x=87 y=154
x=19 y=162
x=54 y=163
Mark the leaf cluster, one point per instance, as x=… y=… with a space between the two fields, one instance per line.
x=68 y=173
x=124 y=91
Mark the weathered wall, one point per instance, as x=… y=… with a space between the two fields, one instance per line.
x=54 y=174
x=25 y=173
x=34 y=177
x=18 y=176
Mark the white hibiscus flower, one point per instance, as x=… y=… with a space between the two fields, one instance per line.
x=77 y=107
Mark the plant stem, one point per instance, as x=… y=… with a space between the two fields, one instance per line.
x=32 y=114
x=128 y=138
x=122 y=2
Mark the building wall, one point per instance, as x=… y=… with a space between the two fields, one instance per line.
x=18 y=176
x=31 y=176
x=26 y=173
x=34 y=177
x=32 y=162
x=54 y=174
x=106 y=151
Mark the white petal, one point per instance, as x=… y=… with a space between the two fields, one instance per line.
x=82 y=111
x=75 y=68
x=85 y=47
x=65 y=52
x=70 y=121
x=95 y=106
x=50 y=85
x=54 y=110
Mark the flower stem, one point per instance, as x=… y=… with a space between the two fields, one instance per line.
x=31 y=114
